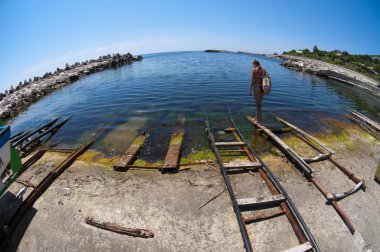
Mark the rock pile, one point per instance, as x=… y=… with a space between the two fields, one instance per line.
x=15 y=100
x=332 y=71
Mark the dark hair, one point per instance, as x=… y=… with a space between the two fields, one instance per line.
x=256 y=63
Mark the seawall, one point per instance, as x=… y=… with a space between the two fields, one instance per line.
x=20 y=98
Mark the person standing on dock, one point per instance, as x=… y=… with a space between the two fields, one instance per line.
x=258 y=74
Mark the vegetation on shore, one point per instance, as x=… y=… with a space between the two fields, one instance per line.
x=368 y=65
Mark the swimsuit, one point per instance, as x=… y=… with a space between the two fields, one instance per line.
x=258 y=75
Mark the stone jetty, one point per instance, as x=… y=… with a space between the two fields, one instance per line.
x=17 y=99
x=331 y=71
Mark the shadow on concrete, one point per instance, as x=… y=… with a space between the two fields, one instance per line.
x=9 y=204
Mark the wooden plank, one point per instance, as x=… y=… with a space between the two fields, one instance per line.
x=173 y=155
x=244 y=165
x=263 y=216
x=300 y=248
x=229 y=143
x=260 y=202
x=131 y=154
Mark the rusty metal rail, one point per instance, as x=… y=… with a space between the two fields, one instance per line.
x=304 y=166
x=286 y=206
x=42 y=187
x=39 y=130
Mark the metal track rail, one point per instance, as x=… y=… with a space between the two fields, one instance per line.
x=289 y=203
x=39 y=189
x=287 y=207
x=243 y=230
x=304 y=166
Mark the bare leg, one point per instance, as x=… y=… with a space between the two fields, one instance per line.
x=259 y=96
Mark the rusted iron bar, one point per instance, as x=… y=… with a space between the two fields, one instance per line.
x=344 y=216
x=243 y=230
x=18 y=134
x=365 y=119
x=45 y=183
x=173 y=155
x=292 y=155
x=296 y=227
x=349 y=174
x=263 y=216
x=51 y=130
x=136 y=232
x=374 y=132
x=39 y=130
x=301 y=132
x=131 y=154
x=297 y=162
x=299 y=225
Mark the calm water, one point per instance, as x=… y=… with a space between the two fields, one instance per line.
x=149 y=95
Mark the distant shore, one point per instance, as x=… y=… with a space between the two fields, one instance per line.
x=17 y=99
x=331 y=71
x=229 y=51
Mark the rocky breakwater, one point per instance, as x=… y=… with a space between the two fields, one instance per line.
x=17 y=99
x=332 y=71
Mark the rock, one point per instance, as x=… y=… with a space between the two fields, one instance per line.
x=11 y=103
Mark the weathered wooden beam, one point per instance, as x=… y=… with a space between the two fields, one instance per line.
x=260 y=202
x=136 y=232
x=300 y=248
x=173 y=155
x=131 y=154
x=228 y=166
x=220 y=144
x=263 y=216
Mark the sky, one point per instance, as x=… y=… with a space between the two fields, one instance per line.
x=39 y=36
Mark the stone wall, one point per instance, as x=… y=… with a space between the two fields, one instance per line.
x=18 y=99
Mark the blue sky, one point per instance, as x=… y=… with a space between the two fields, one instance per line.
x=39 y=36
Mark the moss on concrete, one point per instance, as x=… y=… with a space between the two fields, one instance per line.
x=93 y=156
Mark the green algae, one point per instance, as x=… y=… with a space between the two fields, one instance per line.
x=93 y=156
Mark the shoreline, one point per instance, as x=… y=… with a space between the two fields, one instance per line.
x=25 y=94
x=331 y=71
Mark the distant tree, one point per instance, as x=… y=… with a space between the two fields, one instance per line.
x=345 y=53
x=305 y=51
x=315 y=49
